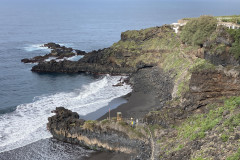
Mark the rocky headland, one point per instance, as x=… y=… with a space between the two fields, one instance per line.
x=185 y=94
x=103 y=135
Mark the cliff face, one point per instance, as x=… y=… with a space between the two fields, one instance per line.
x=217 y=48
x=113 y=136
x=210 y=86
x=178 y=83
x=78 y=67
x=134 y=51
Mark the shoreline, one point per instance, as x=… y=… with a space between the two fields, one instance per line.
x=93 y=155
x=138 y=104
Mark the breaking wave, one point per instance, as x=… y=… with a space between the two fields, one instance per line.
x=27 y=124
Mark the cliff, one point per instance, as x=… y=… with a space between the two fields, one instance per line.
x=188 y=86
x=132 y=52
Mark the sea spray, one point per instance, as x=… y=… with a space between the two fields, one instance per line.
x=36 y=47
x=27 y=124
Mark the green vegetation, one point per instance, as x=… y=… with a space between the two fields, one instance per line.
x=198 y=158
x=105 y=121
x=90 y=124
x=224 y=137
x=197 y=125
x=232 y=103
x=183 y=87
x=145 y=45
x=200 y=127
x=72 y=124
x=157 y=45
x=232 y=122
x=179 y=147
x=236 y=156
x=235 y=49
x=233 y=19
x=197 y=30
x=201 y=64
x=153 y=127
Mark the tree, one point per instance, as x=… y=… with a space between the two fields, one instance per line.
x=197 y=30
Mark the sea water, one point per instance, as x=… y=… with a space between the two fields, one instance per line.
x=27 y=98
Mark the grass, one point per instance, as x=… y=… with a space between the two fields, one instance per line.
x=89 y=124
x=179 y=147
x=197 y=125
x=232 y=122
x=145 y=45
x=154 y=127
x=224 y=137
x=201 y=64
x=236 y=156
x=198 y=158
x=235 y=49
x=105 y=121
x=182 y=88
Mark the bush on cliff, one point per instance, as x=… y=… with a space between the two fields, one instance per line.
x=197 y=30
x=235 y=49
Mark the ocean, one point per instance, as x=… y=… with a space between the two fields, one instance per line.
x=27 y=98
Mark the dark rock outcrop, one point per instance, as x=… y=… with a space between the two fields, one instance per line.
x=77 y=67
x=153 y=81
x=57 y=51
x=206 y=87
x=216 y=50
x=66 y=126
x=223 y=59
x=121 y=58
x=96 y=62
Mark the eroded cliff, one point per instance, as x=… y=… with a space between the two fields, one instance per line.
x=104 y=135
x=187 y=83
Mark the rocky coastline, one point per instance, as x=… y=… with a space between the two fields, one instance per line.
x=185 y=94
x=57 y=51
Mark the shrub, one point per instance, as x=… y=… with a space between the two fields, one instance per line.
x=198 y=158
x=201 y=64
x=232 y=122
x=235 y=156
x=105 y=121
x=179 y=147
x=90 y=124
x=235 y=49
x=197 y=30
x=224 y=137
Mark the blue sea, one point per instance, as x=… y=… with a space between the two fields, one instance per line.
x=27 y=98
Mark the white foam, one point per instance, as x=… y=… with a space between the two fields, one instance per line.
x=36 y=47
x=75 y=58
x=28 y=123
x=50 y=58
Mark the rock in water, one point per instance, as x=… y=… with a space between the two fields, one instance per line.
x=57 y=51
